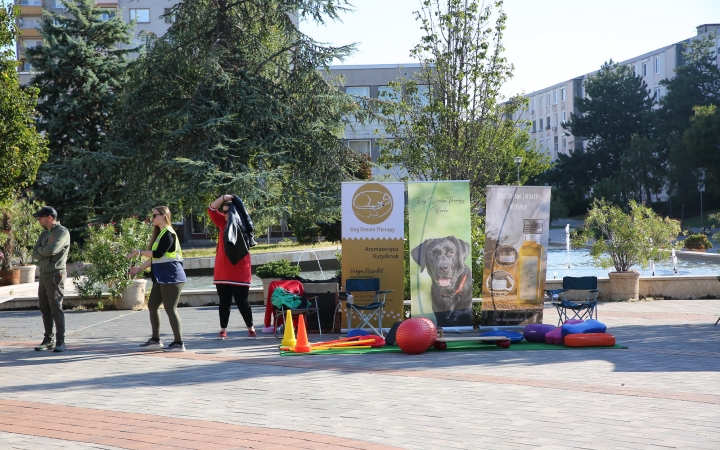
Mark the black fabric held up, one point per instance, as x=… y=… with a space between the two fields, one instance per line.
x=248 y=226
x=238 y=234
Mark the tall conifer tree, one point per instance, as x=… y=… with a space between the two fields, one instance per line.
x=231 y=100
x=81 y=68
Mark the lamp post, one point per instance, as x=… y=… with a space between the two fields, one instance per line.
x=518 y=161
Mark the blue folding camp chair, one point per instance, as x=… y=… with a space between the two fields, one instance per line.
x=580 y=309
x=365 y=313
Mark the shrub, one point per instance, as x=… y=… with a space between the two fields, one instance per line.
x=277 y=269
x=623 y=239
x=105 y=250
x=699 y=241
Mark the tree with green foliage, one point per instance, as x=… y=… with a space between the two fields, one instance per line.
x=696 y=83
x=622 y=239
x=616 y=109
x=230 y=99
x=81 y=69
x=703 y=137
x=22 y=148
x=451 y=123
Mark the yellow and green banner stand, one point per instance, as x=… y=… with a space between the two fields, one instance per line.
x=372 y=242
x=440 y=256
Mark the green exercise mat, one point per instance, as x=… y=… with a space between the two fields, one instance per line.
x=454 y=346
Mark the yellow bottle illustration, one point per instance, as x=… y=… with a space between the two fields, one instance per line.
x=530 y=259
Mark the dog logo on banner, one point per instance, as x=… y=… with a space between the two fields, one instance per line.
x=372 y=203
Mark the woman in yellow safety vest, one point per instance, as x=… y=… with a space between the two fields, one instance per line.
x=168 y=278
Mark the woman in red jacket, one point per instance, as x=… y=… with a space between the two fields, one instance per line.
x=230 y=280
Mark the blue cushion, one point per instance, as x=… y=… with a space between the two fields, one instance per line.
x=514 y=336
x=588 y=326
x=357 y=332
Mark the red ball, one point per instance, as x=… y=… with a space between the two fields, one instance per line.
x=416 y=335
x=440 y=345
x=503 y=344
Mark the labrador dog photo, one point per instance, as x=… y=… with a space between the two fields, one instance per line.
x=444 y=259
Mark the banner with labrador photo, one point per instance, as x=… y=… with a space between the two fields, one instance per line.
x=440 y=257
x=517 y=225
x=373 y=219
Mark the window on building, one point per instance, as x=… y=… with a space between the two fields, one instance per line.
x=555 y=97
x=634 y=67
x=108 y=14
x=58 y=4
x=532 y=104
x=34 y=3
x=644 y=69
x=168 y=15
x=564 y=117
x=547 y=123
x=541 y=98
x=31 y=43
x=548 y=99
x=30 y=22
x=388 y=93
x=423 y=93
x=534 y=123
x=657 y=65
x=564 y=142
x=656 y=94
x=541 y=124
x=360 y=146
x=358 y=91
x=140 y=15
x=555 y=147
x=25 y=66
x=562 y=94
x=555 y=118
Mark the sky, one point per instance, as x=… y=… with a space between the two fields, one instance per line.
x=548 y=41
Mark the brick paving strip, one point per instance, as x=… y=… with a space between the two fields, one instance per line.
x=145 y=431
x=314 y=363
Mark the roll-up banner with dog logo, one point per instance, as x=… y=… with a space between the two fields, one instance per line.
x=516 y=239
x=440 y=259
x=372 y=244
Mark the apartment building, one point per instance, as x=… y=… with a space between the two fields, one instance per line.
x=551 y=106
x=146 y=13
x=369 y=81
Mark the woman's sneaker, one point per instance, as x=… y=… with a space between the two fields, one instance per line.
x=152 y=344
x=222 y=335
x=175 y=347
x=252 y=334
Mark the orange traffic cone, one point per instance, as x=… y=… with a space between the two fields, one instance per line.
x=289 y=336
x=302 y=346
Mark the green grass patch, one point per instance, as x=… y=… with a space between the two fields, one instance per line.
x=694 y=222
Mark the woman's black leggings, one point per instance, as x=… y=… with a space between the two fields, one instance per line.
x=226 y=292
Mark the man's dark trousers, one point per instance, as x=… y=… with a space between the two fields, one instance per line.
x=51 y=291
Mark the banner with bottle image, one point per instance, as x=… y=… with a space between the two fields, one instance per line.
x=440 y=257
x=517 y=225
x=373 y=230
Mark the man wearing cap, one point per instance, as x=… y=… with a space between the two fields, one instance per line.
x=51 y=252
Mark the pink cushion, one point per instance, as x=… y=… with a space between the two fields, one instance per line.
x=555 y=337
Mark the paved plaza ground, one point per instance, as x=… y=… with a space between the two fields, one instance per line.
x=661 y=392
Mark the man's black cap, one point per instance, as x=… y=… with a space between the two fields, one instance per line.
x=46 y=211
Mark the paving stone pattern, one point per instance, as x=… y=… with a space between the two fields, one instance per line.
x=661 y=392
